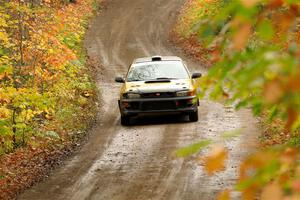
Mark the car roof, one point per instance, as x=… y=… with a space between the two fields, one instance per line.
x=156 y=58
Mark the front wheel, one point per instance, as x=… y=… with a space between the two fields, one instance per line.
x=125 y=120
x=193 y=116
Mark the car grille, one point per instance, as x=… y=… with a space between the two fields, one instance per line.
x=158 y=95
x=159 y=105
x=134 y=106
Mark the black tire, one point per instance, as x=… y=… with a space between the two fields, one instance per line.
x=193 y=116
x=125 y=120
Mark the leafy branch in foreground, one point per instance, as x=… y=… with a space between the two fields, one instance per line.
x=255 y=48
x=192 y=149
x=256 y=54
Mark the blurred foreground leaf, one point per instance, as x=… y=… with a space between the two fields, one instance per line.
x=192 y=149
x=225 y=195
x=231 y=134
x=215 y=160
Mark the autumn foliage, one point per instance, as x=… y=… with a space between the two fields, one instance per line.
x=45 y=88
x=40 y=66
x=254 y=51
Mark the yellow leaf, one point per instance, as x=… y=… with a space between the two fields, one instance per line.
x=51 y=51
x=4 y=113
x=249 y=3
x=3 y=37
x=215 y=161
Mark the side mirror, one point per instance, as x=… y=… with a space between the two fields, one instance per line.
x=119 y=80
x=196 y=75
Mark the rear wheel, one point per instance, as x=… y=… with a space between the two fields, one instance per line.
x=193 y=116
x=125 y=120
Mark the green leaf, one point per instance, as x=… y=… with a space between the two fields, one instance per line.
x=273 y=112
x=192 y=149
x=265 y=30
x=231 y=134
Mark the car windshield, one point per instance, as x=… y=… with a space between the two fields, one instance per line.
x=157 y=70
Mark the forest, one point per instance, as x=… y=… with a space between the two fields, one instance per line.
x=42 y=69
x=49 y=95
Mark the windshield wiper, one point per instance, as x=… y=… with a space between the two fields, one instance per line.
x=160 y=79
x=132 y=80
x=165 y=78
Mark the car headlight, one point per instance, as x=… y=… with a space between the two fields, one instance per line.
x=132 y=96
x=185 y=93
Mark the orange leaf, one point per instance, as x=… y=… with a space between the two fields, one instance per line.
x=296 y=186
x=294 y=83
x=249 y=193
x=293 y=197
x=215 y=161
x=292 y=117
x=241 y=36
x=289 y=156
x=273 y=91
x=275 y=3
x=225 y=195
x=272 y=192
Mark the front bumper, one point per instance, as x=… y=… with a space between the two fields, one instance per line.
x=154 y=106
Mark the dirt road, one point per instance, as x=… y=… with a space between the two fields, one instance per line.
x=136 y=163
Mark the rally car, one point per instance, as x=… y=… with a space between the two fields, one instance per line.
x=158 y=85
